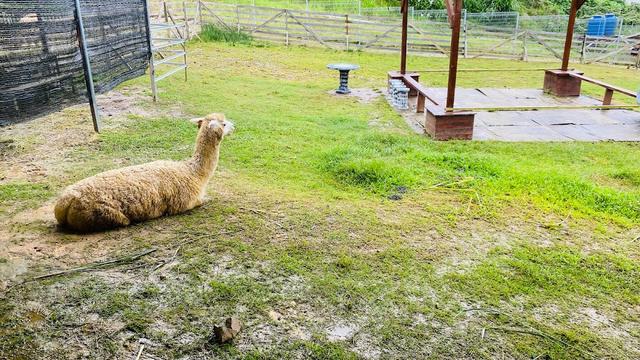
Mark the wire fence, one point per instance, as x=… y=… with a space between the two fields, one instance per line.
x=497 y=34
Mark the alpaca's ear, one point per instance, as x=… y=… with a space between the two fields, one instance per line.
x=197 y=121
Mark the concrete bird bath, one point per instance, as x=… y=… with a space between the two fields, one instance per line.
x=344 y=76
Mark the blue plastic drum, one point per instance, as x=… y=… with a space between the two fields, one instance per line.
x=610 y=25
x=595 y=26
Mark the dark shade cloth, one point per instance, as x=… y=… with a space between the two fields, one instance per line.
x=41 y=67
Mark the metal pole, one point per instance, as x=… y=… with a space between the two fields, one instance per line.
x=82 y=40
x=569 y=38
x=405 y=24
x=465 y=30
x=152 y=69
x=453 y=54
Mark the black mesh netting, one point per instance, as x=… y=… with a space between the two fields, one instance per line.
x=40 y=60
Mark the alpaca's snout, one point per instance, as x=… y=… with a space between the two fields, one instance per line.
x=228 y=127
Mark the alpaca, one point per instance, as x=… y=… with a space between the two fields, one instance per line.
x=136 y=193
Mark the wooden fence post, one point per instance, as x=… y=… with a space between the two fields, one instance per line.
x=186 y=20
x=346 y=28
x=166 y=12
x=525 y=55
x=286 y=28
x=199 y=10
x=238 y=17
x=583 y=49
x=515 y=34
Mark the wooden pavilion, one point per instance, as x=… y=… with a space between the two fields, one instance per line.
x=443 y=120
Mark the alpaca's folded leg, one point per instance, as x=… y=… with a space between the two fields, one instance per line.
x=114 y=218
x=202 y=200
x=87 y=219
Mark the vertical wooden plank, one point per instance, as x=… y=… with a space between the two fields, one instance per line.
x=420 y=103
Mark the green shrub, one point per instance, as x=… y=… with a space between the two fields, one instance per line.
x=213 y=33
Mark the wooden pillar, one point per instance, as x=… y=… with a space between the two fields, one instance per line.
x=454 y=10
x=608 y=96
x=405 y=24
x=575 y=5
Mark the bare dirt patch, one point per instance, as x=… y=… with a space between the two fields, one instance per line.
x=363 y=95
x=32 y=152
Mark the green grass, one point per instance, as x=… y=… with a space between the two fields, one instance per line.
x=532 y=244
x=15 y=196
x=212 y=33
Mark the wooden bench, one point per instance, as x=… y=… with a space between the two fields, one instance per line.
x=423 y=92
x=610 y=89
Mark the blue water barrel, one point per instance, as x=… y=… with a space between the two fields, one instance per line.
x=595 y=26
x=610 y=24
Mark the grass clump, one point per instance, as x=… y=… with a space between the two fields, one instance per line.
x=550 y=274
x=213 y=33
x=20 y=195
x=631 y=177
x=372 y=174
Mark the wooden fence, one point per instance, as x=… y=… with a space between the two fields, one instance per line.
x=382 y=33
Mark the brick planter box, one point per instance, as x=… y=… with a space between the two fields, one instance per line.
x=561 y=84
x=442 y=125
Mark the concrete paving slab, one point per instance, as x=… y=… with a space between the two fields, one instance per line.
x=543 y=125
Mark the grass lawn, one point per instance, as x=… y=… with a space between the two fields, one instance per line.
x=494 y=250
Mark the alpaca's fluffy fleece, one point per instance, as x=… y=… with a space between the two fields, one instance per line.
x=124 y=196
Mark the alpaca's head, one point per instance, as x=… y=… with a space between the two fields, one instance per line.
x=213 y=126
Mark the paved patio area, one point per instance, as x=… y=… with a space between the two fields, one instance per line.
x=543 y=125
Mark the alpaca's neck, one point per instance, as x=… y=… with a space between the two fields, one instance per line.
x=205 y=157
